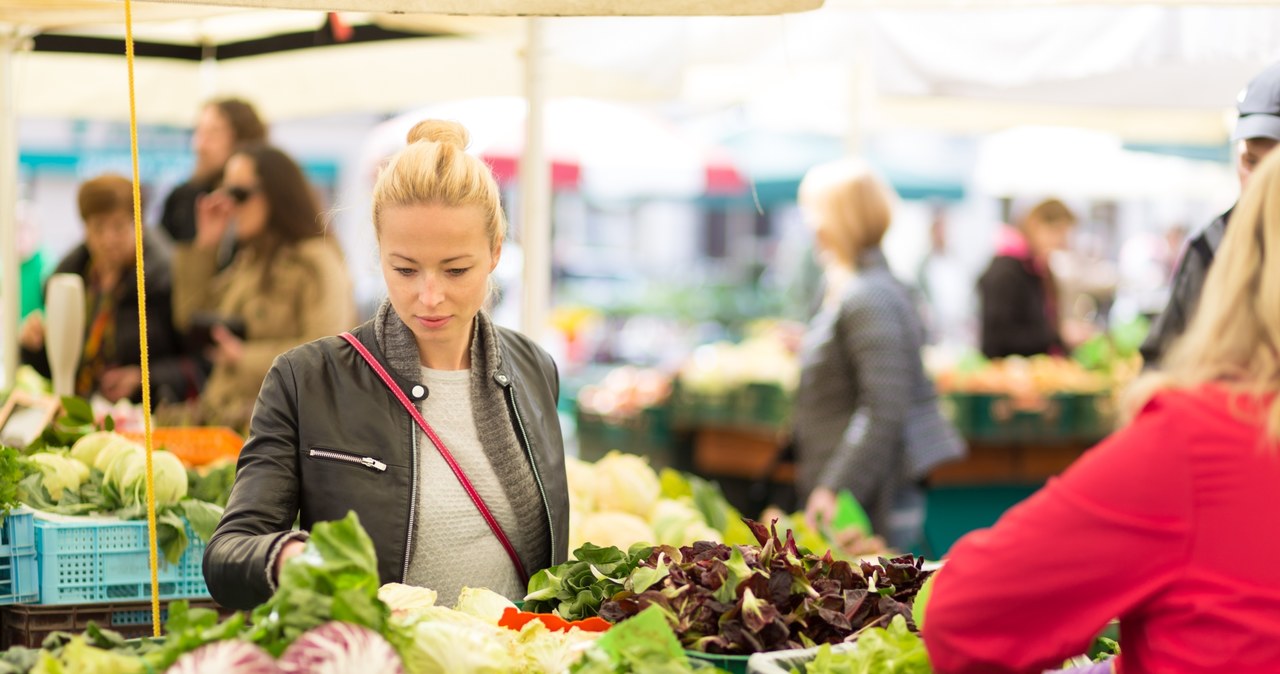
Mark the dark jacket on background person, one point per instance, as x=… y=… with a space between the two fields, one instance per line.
x=323 y=395
x=1018 y=303
x=179 y=216
x=175 y=377
x=1184 y=295
x=867 y=416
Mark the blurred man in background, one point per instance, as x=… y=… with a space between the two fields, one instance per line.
x=1257 y=132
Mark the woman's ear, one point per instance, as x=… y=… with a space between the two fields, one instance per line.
x=497 y=255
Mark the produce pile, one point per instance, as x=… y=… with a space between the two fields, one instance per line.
x=766 y=356
x=620 y=501
x=625 y=392
x=330 y=616
x=104 y=473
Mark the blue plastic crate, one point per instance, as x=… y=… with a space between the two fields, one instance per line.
x=85 y=561
x=19 y=582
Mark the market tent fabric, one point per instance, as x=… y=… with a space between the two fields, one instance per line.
x=606 y=150
x=543 y=7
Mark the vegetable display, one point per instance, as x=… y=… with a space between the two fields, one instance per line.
x=748 y=599
x=576 y=589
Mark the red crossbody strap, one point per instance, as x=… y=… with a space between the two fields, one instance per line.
x=444 y=452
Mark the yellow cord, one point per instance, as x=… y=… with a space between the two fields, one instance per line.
x=142 y=321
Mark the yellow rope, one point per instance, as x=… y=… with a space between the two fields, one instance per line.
x=142 y=320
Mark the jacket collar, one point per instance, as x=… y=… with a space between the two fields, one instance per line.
x=397 y=348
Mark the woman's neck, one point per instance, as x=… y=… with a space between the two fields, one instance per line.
x=439 y=356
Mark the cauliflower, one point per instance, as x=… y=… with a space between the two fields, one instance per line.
x=582 y=484
x=625 y=483
x=620 y=530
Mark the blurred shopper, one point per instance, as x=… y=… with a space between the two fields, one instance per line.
x=287 y=285
x=945 y=285
x=1257 y=132
x=111 y=357
x=222 y=125
x=1159 y=525
x=1018 y=294
x=866 y=415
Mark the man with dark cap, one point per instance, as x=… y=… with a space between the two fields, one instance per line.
x=1257 y=132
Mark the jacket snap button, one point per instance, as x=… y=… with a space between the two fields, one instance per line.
x=419 y=391
x=502 y=379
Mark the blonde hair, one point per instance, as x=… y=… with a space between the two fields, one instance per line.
x=435 y=169
x=852 y=204
x=1234 y=336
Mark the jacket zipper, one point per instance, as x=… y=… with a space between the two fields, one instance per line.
x=537 y=477
x=413 y=501
x=366 y=461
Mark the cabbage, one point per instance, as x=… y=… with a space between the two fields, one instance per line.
x=107 y=455
x=79 y=657
x=614 y=529
x=582 y=484
x=126 y=477
x=484 y=604
x=58 y=472
x=223 y=657
x=340 y=648
x=403 y=599
x=540 y=650
x=679 y=523
x=86 y=449
x=625 y=483
x=449 y=642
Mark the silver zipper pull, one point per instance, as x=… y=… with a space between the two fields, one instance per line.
x=373 y=463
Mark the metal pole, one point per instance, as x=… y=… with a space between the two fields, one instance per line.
x=535 y=193
x=10 y=294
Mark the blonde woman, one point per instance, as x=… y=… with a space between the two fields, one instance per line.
x=1166 y=524
x=866 y=415
x=436 y=426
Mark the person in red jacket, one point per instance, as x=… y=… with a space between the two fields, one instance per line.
x=1166 y=525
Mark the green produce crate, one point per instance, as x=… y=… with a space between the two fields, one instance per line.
x=19 y=581
x=734 y=664
x=953 y=511
x=647 y=434
x=83 y=560
x=763 y=404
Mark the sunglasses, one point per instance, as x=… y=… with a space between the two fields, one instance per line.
x=240 y=194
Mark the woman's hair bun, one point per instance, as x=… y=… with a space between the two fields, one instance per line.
x=440 y=131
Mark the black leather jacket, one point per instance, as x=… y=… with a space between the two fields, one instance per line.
x=323 y=395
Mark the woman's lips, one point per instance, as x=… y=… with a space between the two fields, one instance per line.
x=433 y=322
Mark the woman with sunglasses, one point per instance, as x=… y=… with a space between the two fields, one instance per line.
x=437 y=427
x=287 y=285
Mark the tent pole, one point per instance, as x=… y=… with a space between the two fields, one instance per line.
x=535 y=192
x=10 y=294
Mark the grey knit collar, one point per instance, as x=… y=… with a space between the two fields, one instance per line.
x=398 y=345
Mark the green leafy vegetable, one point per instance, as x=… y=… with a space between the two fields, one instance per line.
x=576 y=589
x=188 y=629
x=335 y=578
x=11 y=474
x=892 y=650
x=643 y=644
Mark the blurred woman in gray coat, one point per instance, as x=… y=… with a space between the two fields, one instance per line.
x=866 y=416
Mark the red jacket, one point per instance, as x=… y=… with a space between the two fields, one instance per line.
x=1169 y=525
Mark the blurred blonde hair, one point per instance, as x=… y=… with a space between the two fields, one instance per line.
x=1234 y=336
x=849 y=205
x=434 y=169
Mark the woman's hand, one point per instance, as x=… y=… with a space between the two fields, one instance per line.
x=290 y=549
x=31 y=335
x=121 y=382
x=213 y=217
x=228 y=349
x=821 y=509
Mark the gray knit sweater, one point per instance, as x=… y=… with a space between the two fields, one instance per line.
x=526 y=523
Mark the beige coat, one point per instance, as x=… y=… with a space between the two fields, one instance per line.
x=311 y=297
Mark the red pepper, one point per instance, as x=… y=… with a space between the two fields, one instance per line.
x=516 y=619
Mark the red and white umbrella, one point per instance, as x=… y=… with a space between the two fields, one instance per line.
x=605 y=150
